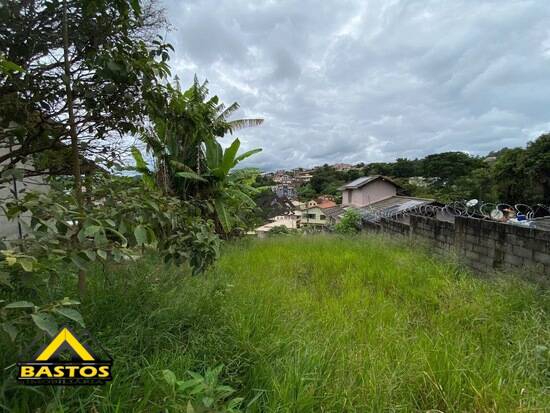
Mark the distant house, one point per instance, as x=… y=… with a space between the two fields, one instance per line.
x=312 y=216
x=312 y=213
x=309 y=214
x=288 y=221
x=342 y=167
x=367 y=190
x=284 y=191
x=303 y=177
x=375 y=197
x=281 y=177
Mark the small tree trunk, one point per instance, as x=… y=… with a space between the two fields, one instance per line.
x=75 y=152
x=81 y=283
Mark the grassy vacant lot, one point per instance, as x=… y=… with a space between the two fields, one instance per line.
x=318 y=324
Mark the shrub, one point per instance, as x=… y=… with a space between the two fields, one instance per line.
x=350 y=222
x=121 y=220
x=282 y=230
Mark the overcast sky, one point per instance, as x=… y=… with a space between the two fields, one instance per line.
x=365 y=81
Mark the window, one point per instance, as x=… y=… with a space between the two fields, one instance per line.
x=349 y=196
x=322 y=217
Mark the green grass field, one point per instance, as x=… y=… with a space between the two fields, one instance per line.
x=315 y=324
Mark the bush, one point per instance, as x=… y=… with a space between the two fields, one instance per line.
x=282 y=230
x=121 y=220
x=350 y=222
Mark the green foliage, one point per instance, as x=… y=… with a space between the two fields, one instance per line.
x=516 y=176
x=203 y=393
x=325 y=181
x=120 y=220
x=264 y=181
x=143 y=339
x=191 y=164
x=229 y=191
x=183 y=125
x=119 y=216
x=113 y=67
x=521 y=175
x=404 y=167
x=350 y=223
x=306 y=192
x=282 y=230
x=8 y=68
x=16 y=317
x=449 y=166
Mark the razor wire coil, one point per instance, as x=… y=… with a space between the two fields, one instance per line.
x=495 y=211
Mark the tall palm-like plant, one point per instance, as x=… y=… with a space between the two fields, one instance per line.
x=227 y=190
x=189 y=161
x=181 y=127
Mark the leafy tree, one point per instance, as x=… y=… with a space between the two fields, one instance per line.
x=306 y=192
x=537 y=166
x=403 y=167
x=449 y=166
x=510 y=177
x=351 y=174
x=87 y=66
x=378 y=168
x=478 y=184
x=86 y=70
x=326 y=180
x=264 y=181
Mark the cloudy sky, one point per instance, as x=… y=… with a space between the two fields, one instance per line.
x=370 y=80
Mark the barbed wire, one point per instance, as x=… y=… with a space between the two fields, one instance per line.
x=495 y=211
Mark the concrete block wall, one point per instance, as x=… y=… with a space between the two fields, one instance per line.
x=396 y=227
x=480 y=244
x=494 y=245
x=439 y=233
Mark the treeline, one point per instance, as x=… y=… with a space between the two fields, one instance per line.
x=513 y=175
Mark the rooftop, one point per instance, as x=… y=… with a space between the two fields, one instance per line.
x=326 y=203
x=334 y=211
x=392 y=206
x=360 y=182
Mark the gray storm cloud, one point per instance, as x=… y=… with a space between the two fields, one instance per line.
x=364 y=81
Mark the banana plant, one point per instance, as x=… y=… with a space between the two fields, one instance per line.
x=181 y=124
x=228 y=190
x=152 y=179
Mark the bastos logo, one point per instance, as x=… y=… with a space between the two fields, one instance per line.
x=50 y=367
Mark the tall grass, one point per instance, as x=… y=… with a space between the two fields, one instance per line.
x=316 y=324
